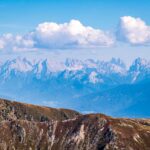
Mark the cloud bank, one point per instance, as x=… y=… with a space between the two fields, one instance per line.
x=134 y=31
x=51 y=35
x=11 y=42
x=74 y=34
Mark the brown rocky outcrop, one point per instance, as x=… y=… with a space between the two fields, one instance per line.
x=30 y=127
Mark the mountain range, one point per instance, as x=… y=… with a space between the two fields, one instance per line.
x=85 y=85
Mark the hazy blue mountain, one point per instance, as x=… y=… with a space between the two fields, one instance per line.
x=90 y=85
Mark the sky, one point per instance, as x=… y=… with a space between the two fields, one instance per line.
x=98 y=29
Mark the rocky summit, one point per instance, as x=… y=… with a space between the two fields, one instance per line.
x=30 y=127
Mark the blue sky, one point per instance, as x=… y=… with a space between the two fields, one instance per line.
x=19 y=16
x=23 y=16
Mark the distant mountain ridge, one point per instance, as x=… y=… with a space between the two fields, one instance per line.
x=68 y=83
x=47 y=67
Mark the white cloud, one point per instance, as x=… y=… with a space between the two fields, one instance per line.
x=15 y=43
x=68 y=35
x=74 y=34
x=133 y=30
x=52 y=35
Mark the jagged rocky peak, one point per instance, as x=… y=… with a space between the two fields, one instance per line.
x=118 y=62
x=24 y=126
x=140 y=64
x=139 y=70
x=115 y=65
x=71 y=62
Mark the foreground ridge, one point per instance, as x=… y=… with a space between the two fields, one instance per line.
x=25 y=126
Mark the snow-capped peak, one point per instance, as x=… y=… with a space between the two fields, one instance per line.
x=94 y=70
x=140 y=64
x=140 y=69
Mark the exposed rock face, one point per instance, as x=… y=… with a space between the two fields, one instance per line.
x=10 y=110
x=68 y=130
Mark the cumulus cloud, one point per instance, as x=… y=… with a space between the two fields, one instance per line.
x=133 y=30
x=72 y=34
x=52 y=35
x=15 y=42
